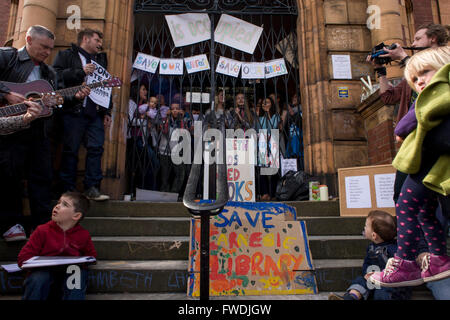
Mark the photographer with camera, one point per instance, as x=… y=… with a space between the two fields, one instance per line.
x=427 y=36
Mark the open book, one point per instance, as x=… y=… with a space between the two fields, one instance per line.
x=45 y=261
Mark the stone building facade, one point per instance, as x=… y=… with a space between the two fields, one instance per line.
x=339 y=130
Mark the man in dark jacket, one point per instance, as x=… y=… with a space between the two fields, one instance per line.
x=82 y=120
x=26 y=153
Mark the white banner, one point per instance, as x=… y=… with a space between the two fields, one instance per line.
x=146 y=62
x=237 y=33
x=275 y=68
x=189 y=28
x=171 y=66
x=101 y=95
x=197 y=63
x=229 y=67
x=253 y=70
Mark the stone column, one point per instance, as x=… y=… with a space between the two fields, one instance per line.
x=41 y=12
x=390 y=30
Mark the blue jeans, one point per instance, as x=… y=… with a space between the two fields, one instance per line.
x=360 y=284
x=49 y=284
x=440 y=289
x=79 y=128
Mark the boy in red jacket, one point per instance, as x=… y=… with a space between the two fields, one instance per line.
x=62 y=236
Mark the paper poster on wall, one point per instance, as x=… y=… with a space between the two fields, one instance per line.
x=146 y=62
x=342 y=68
x=384 y=190
x=253 y=70
x=240 y=159
x=288 y=48
x=237 y=33
x=288 y=165
x=171 y=66
x=189 y=28
x=357 y=192
x=228 y=67
x=100 y=95
x=196 y=63
x=197 y=97
x=275 y=68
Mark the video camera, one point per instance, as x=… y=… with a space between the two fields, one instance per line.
x=378 y=50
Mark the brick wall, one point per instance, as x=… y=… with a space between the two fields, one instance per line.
x=422 y=12
x=4 y=19
x=380 y=142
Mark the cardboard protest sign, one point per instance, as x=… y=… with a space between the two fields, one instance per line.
x=171 y=66
x=255 y=249
x=197 y=63
x=275 y=68
x=237 y=33
x=189 y=28
x=253 y=70
x=241 y=169
x=228 y=67
x=100 y=95
x=146 y=62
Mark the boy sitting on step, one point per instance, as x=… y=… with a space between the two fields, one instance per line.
x=381 y=230
x=62 y=236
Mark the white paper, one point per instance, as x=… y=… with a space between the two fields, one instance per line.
x=197 y=97
x=189 y=28
x=10 y=268
x=253 y=70
x=357 y=192
x=237 y=33
x=288 y=165
x=384 y=190
x=146 y=63
x=275 y=68
x=171 y=66
x=342 y=68
x=229 y=67
x=100 y=95
x=196 y=63
x=48 y=261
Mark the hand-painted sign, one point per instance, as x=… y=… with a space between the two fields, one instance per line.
x=189 y=28
x=275 y=68
x=197 y=63
x=255 y=249
x=146 y=62
x=171 y=66
x=229 y=67
x=253 y=70
x=237 y=33
x=241 y=169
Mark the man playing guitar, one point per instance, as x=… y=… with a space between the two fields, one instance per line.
x=25 y=154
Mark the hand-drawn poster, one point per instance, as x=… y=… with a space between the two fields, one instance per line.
x=237 y=33
x=146 y=63
x=171 y=66
x=240 y=159
x=189 y=28
x=255 y=249
x=197 y=63
x=228 y=67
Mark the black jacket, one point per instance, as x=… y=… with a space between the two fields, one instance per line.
x=16 y=66
x=69 y=68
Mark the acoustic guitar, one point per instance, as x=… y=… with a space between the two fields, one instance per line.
x=39 y=88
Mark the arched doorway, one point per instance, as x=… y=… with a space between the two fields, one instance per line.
x=152 y=37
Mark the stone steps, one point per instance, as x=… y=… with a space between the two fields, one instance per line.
x=177 y=247
x=143 y=250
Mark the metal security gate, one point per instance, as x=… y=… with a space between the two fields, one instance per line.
x=148 y=163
